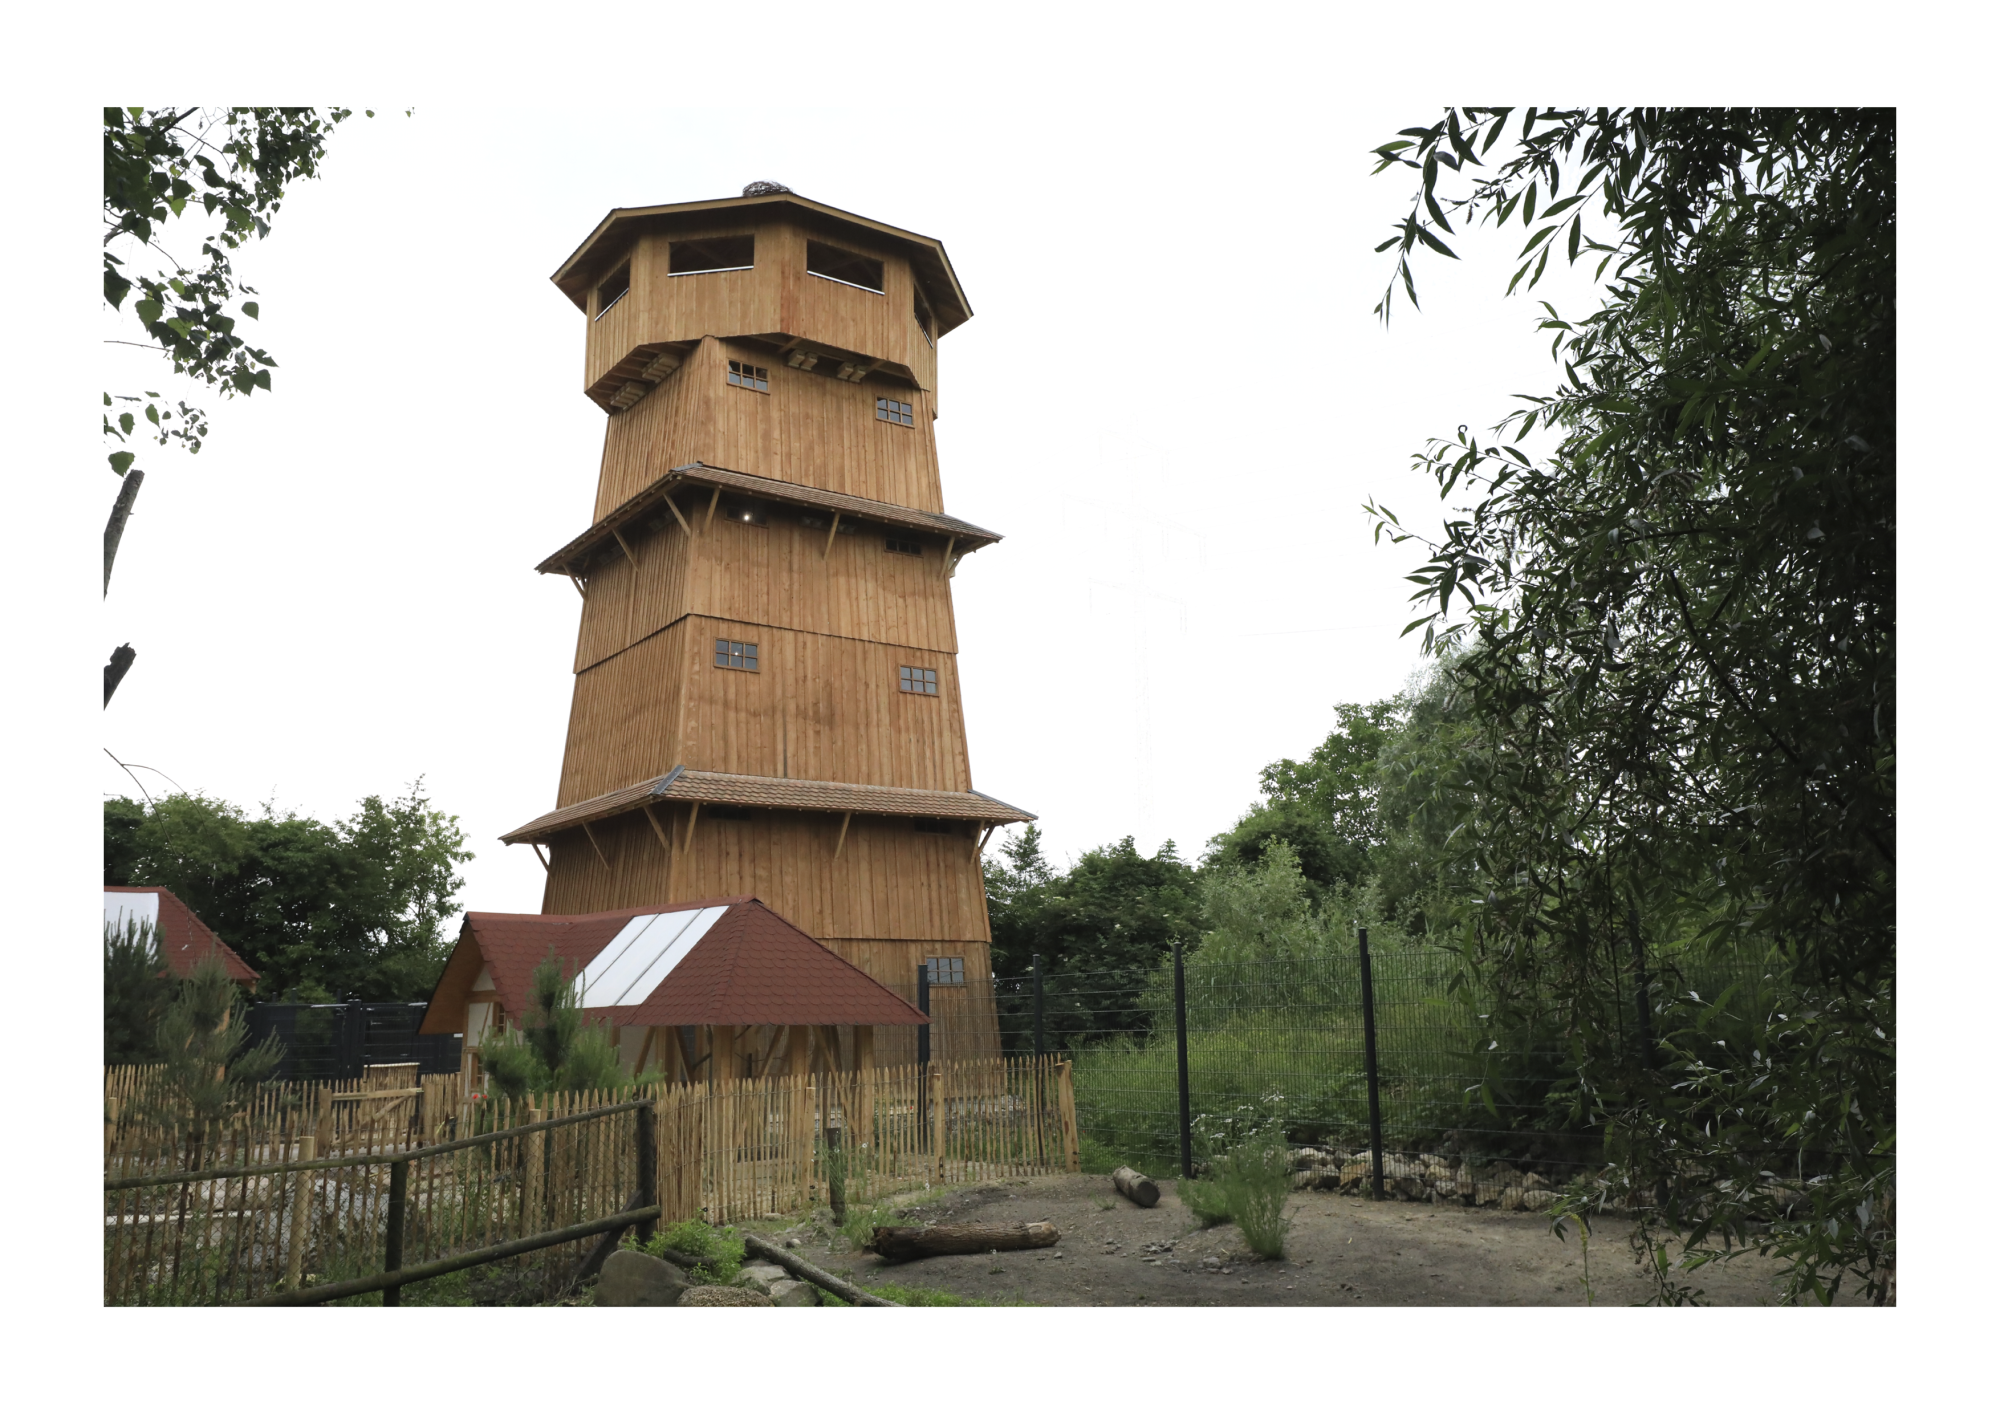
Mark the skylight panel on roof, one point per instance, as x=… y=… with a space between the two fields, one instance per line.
x=646 y=949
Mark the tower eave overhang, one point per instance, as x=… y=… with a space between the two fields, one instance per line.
x=964 y=535
x=681 y=786
x=584 y=266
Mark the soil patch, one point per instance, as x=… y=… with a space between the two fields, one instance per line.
x=1342 y=1251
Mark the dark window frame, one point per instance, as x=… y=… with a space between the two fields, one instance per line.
x=896 y=412
x=918 y=682
x=893 y=546
x=951 y=974
x=695 y=245
x=735 y=656
x=839 y=258
x=744 y=374
x=622 y=277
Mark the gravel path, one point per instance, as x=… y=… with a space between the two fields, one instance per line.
x=1342 y=1251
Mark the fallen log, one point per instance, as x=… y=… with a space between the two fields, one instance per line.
x=806 y=1271
x=1136 y=1186
x=900 y=1244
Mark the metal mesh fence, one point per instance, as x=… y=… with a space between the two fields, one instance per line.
x=1283 y=1045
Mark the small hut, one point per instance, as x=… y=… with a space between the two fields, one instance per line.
x=183 y=938
x=720 y=988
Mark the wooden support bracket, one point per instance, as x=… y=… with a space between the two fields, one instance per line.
x=536 y=847
x=980 y=848
x=694 y=812
x=948 y=544
x=677 y=514
x=573 y=579
x=831 y=531
x=841 y=843
x=616 y=535
x=591 y=835
x=654 y=821
x=714 y=497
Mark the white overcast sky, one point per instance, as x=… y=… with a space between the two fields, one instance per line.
x=1172 y=400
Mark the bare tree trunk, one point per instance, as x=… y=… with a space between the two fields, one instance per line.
x=114 y=671
x=114 y=529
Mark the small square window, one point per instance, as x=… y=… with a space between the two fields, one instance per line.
x=946 y=971
x=743 y=375
x=731 y=654
x=889 y=410
x=904 y=547
x=922 y=681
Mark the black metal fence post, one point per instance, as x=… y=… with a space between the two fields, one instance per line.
x=648 y=1153
x=1038 y=1006
x=924 y=1050
x=1181 y=1062
x=1368 y=1056
x=392 y=1246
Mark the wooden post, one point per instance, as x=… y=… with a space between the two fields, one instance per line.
x=531 y=1181
x=936 y=1075
x=862 y=1122
x=295 y=1254
x=1066 y=1100
x=648 y=1138
x=392 y=1245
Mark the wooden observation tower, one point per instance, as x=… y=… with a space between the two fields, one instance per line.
x=766 y=696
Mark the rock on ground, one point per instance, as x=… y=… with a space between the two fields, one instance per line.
x=633 y=1279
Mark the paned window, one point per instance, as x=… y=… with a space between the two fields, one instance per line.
x=889 y=410
x=904 y=547
x=731 y=654
x=743 y=375
x=946 y=971
x=933 y=827
x=614 y=289
x=922 y=681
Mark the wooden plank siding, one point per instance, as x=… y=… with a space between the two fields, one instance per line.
x=890 y=881
x=809 y=429
x=818 y=708
x=783 y=573
x=779 y=296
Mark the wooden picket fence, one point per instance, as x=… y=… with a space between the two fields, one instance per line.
x=177 y=1232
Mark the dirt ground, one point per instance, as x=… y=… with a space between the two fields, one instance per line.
x=1342 y=1251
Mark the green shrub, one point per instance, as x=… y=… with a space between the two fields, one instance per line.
x=1204 y=1198
x=718 y=1251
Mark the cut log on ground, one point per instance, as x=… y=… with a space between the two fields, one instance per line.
x=806 y=1271
x=900 y=1244
x=1136 y=1186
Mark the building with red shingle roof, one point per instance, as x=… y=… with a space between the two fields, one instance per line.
x=184 y=939
x=719 y=987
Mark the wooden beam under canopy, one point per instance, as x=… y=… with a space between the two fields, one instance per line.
x=654 y=821
x=539 y=855
x=619 y=536
x=678 y=516
x=831 y=531
x=713 y=498
x=841 y=843
x=591 y=835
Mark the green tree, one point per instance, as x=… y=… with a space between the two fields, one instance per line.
x=206 y=1069
x=136 y=993
x=555 y=1049
x=1678 y=625
x=1324 y=807
x=358 y=907
x=235 y=165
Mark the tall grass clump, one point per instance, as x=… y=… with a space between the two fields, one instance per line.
x=1249 y=1186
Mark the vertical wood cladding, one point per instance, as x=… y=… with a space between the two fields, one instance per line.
x=809 y=429
x=818 y=708
x=783 y=573
x=889 y=883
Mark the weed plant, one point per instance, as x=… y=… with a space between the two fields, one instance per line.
x=1249 y=1186
x=718 y=1251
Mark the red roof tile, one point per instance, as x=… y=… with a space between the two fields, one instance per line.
x=752 y=968
x=185 y=939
